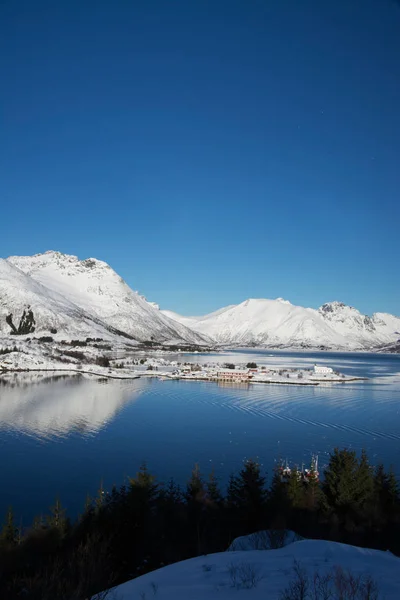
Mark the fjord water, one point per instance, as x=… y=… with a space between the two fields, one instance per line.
x=63 y=436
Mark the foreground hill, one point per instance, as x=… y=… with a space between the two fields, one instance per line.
x=265 y=574
x=280 y=323
x=88 y=290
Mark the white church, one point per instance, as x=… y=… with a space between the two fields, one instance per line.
x=322 y=370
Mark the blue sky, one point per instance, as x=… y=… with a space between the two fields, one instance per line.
x=210 y=151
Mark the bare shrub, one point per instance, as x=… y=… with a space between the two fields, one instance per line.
x=321 y=587
x=354 y=587
x=244 y=576
x=339 y=584
x=154 y=588
x=299 y=586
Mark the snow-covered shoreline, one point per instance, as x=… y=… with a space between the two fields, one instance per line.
x=126 y=362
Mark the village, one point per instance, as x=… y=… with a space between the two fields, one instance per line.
x=238 y=374
x=125 y=362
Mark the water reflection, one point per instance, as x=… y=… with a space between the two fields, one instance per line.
x=29 y=405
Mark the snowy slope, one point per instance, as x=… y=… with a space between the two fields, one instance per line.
x=51 y=310
x=93 y=286
x=355 y=326
x=213 y=577
x=387 y=323
x=278 y=322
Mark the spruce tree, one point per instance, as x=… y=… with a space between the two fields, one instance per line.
x=340 y=485
x=9 y=532
x=314 y=497
x=364 y=483
x=172 y=493
x=38 y=523
x=295 y=488
x=247 y=494
x=100 y=499
x=58 y=519
x=393 y=490
x=214 y=495
x=195 y=497
x=386 y=490
x=172 y=524
x=195 y=487
x=138 y=518
x=143 y=491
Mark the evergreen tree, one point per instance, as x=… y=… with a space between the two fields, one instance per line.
x=195 y=488
x=172 y=524
x=295 y=488
x=313 y=497
x=277 y=493
x=386 y=489
x=341 y=485
x=247 y=494
x=364 y=483
x=144 y=479
x=100 y=499
x=137 y=519
x=58 y=519
x=214 y=494
x=9 y=532
x=38 y=523
x=195 y=497
x=171 y=495
x=143 y=492
x=393 y=490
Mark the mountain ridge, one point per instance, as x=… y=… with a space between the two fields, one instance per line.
x=265 y=322
x=93 y=291
x=87 y=297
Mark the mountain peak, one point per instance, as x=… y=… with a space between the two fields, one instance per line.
x=96 y=290
x=333 y=306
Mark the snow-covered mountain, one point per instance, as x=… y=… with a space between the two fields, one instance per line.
x=73 y=295
x=51 y=310
x=87 y=298
x=280 y=323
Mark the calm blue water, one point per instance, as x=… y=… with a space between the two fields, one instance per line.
x=63 y=437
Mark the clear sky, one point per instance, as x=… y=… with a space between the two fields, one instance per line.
x=209 y=150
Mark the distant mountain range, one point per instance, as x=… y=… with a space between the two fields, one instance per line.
x=278 y=323
x=78 y=298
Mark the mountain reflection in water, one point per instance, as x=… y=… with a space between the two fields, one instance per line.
x=29 y=405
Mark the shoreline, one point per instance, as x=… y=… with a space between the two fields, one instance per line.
x=166 y=376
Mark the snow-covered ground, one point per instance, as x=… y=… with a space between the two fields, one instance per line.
x=123 y=361
x=264 y=574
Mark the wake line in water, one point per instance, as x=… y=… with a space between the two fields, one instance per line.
x=341 y=427
x=237 y=403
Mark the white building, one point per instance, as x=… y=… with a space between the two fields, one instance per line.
x=322 y=370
